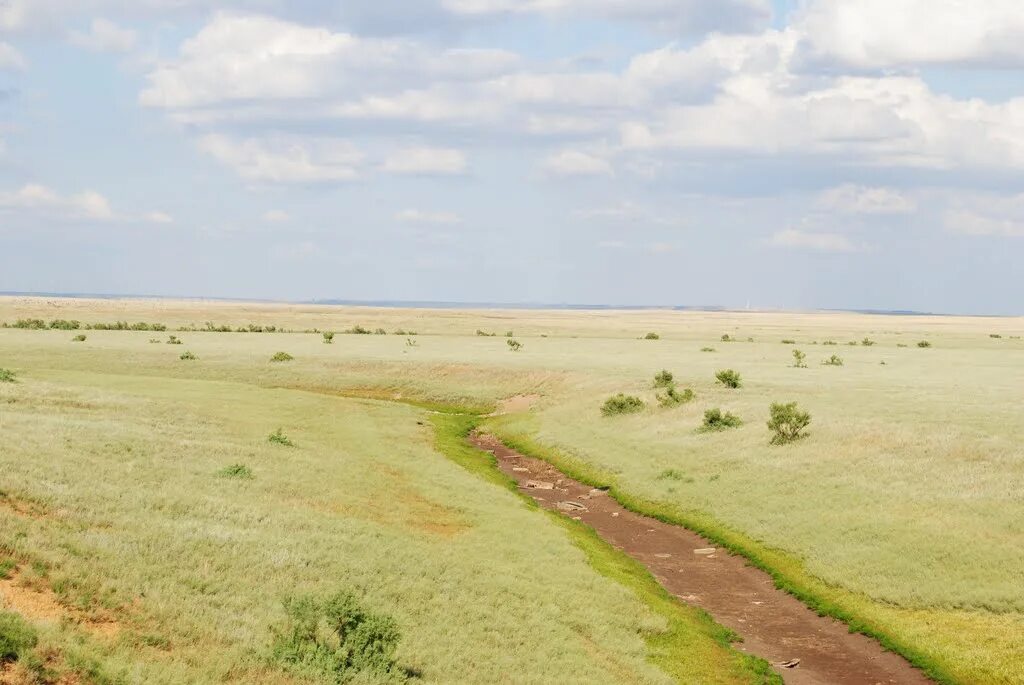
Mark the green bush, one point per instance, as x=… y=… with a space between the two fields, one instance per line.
x=994 y=335
x=281 y=357
x=64 y=325
x=338 y=639
x=729 y=378
x=79 y=338
x=188 y=356
x=830 y=342
x=673 y=397
x=236 y=471
x=622 y=404
x=358 y=330
x=834 y=360
x=279 y=438
x=787 y=423
x=485 y=334
x=788 y=341
x=16 y=637
x=663 y=379
x=509 y=334
x=409 y=342
x=715 y=420
x=514 y=345
x=31 y=324
x=727 y=338
x=707 y=349
x=173 y=340
x=380 y=331
x=8 y=376
x=867 y=342
x=799 y=360
x=328 y=337
x=652 y=336
x=924 y=343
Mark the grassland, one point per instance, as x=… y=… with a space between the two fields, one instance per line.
x=901 y=512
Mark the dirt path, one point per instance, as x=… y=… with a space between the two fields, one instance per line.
x=774 y=625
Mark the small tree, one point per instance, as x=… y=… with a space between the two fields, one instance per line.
x=663 y=379
x=716 y=420
x=787 y=423
x=799 y=360
x=328 y=337
x=729 y=378
x=514 y=344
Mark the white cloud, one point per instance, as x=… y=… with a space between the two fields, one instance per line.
x=881 y=33
x=286 y=159
x=986 y=215
x=425 y=160
x=808 y=240
x=576 y=163
x=105 y=36
x=159 y=218
x=423 y=217
x=40 y=199
x=276 y=216
x=855 y=199
x=10 y=58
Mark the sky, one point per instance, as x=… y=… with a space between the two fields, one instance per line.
x=800 y=154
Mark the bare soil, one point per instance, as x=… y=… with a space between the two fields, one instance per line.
x=806 y=649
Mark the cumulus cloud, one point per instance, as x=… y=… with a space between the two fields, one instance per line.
x=10 y=58
x=105 y=36
x=577 y=163
x=812 y=240
x=89 y=206
x=286 y=159
x=418 y=216
x=425 y=160
x=986 y=215
x=854 y=199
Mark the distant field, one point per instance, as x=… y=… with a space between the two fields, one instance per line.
x=902 y=510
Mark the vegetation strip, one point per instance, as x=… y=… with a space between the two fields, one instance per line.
x=787 y=573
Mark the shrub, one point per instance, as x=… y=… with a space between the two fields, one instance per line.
x=514 y=345
x=830 y=342
x=674 y=474
x=173 y=340
x=663 y=379
x=338 y=638
x=485 y=334
x=79 y=338
x=707 y=349
x=380 y=331
x=16 y=637
x=279 y=438
x=8 y=376
x=622 y=404
x=834 y=360
x=787 y=423
x=32 y=324
x=328 y=337
x=924 y=343
x=652 y=336
x=727 y=338
x=281 y=357
x=673 y=397
x=236 y=471
x=994 y=335
x=788 y=341
x=154 y=340
x=188 y=356
x=729 y=378
x=852 y=343
x=900 y=345
x=715 y=420
x=509 y=334
x=64 y=325
x=409 y=342
x=867 y=342
x=358 y=330
x=799 y=360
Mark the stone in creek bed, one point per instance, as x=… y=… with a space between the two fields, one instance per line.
x=539 y=485
x=571 y=506
x=706 y=551
x=520 y=469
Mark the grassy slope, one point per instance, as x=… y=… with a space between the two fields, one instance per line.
x=112 y=498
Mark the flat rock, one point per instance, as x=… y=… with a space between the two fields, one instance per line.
x=570 y=506
x=539 y=485
x=705 y=551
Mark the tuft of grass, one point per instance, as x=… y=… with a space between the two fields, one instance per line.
x=787 y=423
x=729 y=378
x=924 y=343
x=338 y=638
x=188 y=356
x=834 y=360
x=172 y=340
x=715 y=420
x=674 y=474
x=799 y=360
x=6 y=566
x=514 y=345
x=279 y=438
x=727 y=338
x=236 y=471
x=664 y=379
x=707 y=349
x=281 y=357
x=17 y=637
x=8 y=376
x=328 y=337
x=789 y=341
x=622 y=404
x=79 y=338
x=994 y=335
x=867 y=342
x=673 y=397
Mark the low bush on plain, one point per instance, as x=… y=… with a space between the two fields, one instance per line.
x=727 y=338
x=358 y=330
x=339 y=639
x=8 y=376
x=789 y=341
x=729 y=378
x=622 y=404
x=240 y=471
x=664 y=379
x=830 y=342
x=485 y=334
x=188 y=356
x=409 y=342
x=328 y=337
x=17 y=637
x=716 y=420
x=652 y=336
x=787 y=423
x=674 y=474
x=994 y=335
x=673 y=397
x=30 y=324
x=834 y=360
x=79 y=338
x=65 y=325
x=799 y=360
x=279 y=438
x=924 y=343
x=172 y=340
x=867 y=342
x=707 y=349
x=281 y=357
x=514 y=344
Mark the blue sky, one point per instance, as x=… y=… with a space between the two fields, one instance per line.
x=802 y=154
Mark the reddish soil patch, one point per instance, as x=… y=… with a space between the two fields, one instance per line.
x=40 y=604
x=516 y=404
x=773 y=624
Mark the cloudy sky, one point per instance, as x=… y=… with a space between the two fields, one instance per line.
x=786 y=153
